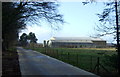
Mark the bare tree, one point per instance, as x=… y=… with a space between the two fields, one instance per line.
x=15 y=16
x=107 y=19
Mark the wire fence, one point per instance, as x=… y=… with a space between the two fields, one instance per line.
x=95 y=64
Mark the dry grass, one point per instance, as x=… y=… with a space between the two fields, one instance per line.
x=111 y=49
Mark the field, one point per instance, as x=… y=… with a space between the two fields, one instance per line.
x=84 y=58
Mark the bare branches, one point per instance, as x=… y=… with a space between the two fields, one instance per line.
x=17 y=14
x=88 y=1
x=107 y=19
x=32 y=12
x=45 y=11
x=107 y=24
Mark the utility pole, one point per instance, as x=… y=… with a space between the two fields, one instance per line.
x=118 y=32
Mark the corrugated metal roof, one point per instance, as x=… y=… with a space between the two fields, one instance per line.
x=76 y=39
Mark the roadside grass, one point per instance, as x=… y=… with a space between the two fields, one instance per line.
x=84 y=58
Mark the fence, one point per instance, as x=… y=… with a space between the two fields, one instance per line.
x=90 y=63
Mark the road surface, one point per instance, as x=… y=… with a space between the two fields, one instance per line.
x=35 y=63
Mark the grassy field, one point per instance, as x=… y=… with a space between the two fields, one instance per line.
x=85 y=58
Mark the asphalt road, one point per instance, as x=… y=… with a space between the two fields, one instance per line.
x=35 y=63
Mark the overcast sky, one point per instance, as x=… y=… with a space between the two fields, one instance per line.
x=81 y=20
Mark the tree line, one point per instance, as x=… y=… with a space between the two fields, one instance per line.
x=27 y=39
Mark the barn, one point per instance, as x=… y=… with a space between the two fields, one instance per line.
x=76 y=42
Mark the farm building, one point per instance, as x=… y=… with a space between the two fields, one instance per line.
x=75 y=42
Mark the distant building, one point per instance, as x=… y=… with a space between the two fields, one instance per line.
x=76 y=42
x=39 y=44
x=111 y=45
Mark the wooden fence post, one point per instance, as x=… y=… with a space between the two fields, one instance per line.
x=91 y=62
x=77 y=59
x=45 y=51
x=61 y=55
x=98 y=62
x=97 y=66
x=68 y=56
x=57 y=56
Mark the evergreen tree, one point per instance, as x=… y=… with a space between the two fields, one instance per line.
x=32 y=38
x=23 y=39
